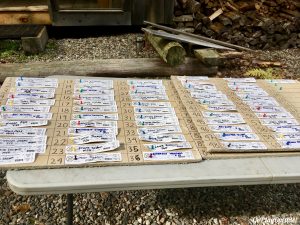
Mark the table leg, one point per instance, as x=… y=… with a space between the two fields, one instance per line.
x=70 y=209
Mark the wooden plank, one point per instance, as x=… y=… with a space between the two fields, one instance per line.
x=215 y=14
x=19 y=5
x=140 y=67
x=41 y=8
x=20 y=30
x=208 y=56
x=10 y=18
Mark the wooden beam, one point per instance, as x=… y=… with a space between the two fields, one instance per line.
x=40 y=8
x=139 y=67
x=23 y=5
x=208 y=56
x=11 y=18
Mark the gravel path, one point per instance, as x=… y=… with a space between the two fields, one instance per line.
x=104 y=47
x=211 y=206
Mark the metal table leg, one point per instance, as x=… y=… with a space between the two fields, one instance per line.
x=69 y=209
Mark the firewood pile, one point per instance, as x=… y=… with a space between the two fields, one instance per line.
x=262 y=24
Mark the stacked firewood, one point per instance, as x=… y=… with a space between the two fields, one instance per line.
x=259 y=24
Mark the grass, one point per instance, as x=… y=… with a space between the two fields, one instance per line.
x=51 y=45
x=9 y=48
x=268 y=73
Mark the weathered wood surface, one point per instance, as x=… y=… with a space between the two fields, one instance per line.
x=257 y=24
x=139 y=67
x=10 y=18
x=24 y=12
x=35 y=44
x=23 y=6
x=170 y=51
x=208 y=56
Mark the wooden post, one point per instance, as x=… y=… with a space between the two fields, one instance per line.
x=170 y=51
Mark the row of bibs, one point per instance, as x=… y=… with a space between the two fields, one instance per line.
x=93 y=128
x=285 y=128
x=220 y=115
x=23 y=119
x=157 y=124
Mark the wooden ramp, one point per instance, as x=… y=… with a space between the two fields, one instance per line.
x=24 y=12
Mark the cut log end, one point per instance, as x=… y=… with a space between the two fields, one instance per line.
x=170 y=51
x=176 y=56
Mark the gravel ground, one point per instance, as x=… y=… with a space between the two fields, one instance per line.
x=132 y=45
x=289 y=58
x=214 y=205
x=104 y=47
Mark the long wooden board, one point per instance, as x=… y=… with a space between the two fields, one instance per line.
x=135 y=67
x=24 y=12
x=11 y=18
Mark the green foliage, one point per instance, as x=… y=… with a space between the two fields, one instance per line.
x=268 y=73
x=51 y=45
x=9 y=47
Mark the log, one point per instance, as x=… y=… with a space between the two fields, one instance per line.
x=198 y=16
x=183 y=18
x=266 y=63
x=193 y=5
x=217 y=27
x=292 y=12
x=246 y=6
x=231 y=55
x=248 y=23
x=224 y=20
x=296 y=3
x=170 y=51
x=231 y=6
x=215 y=14
x=232 y=16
